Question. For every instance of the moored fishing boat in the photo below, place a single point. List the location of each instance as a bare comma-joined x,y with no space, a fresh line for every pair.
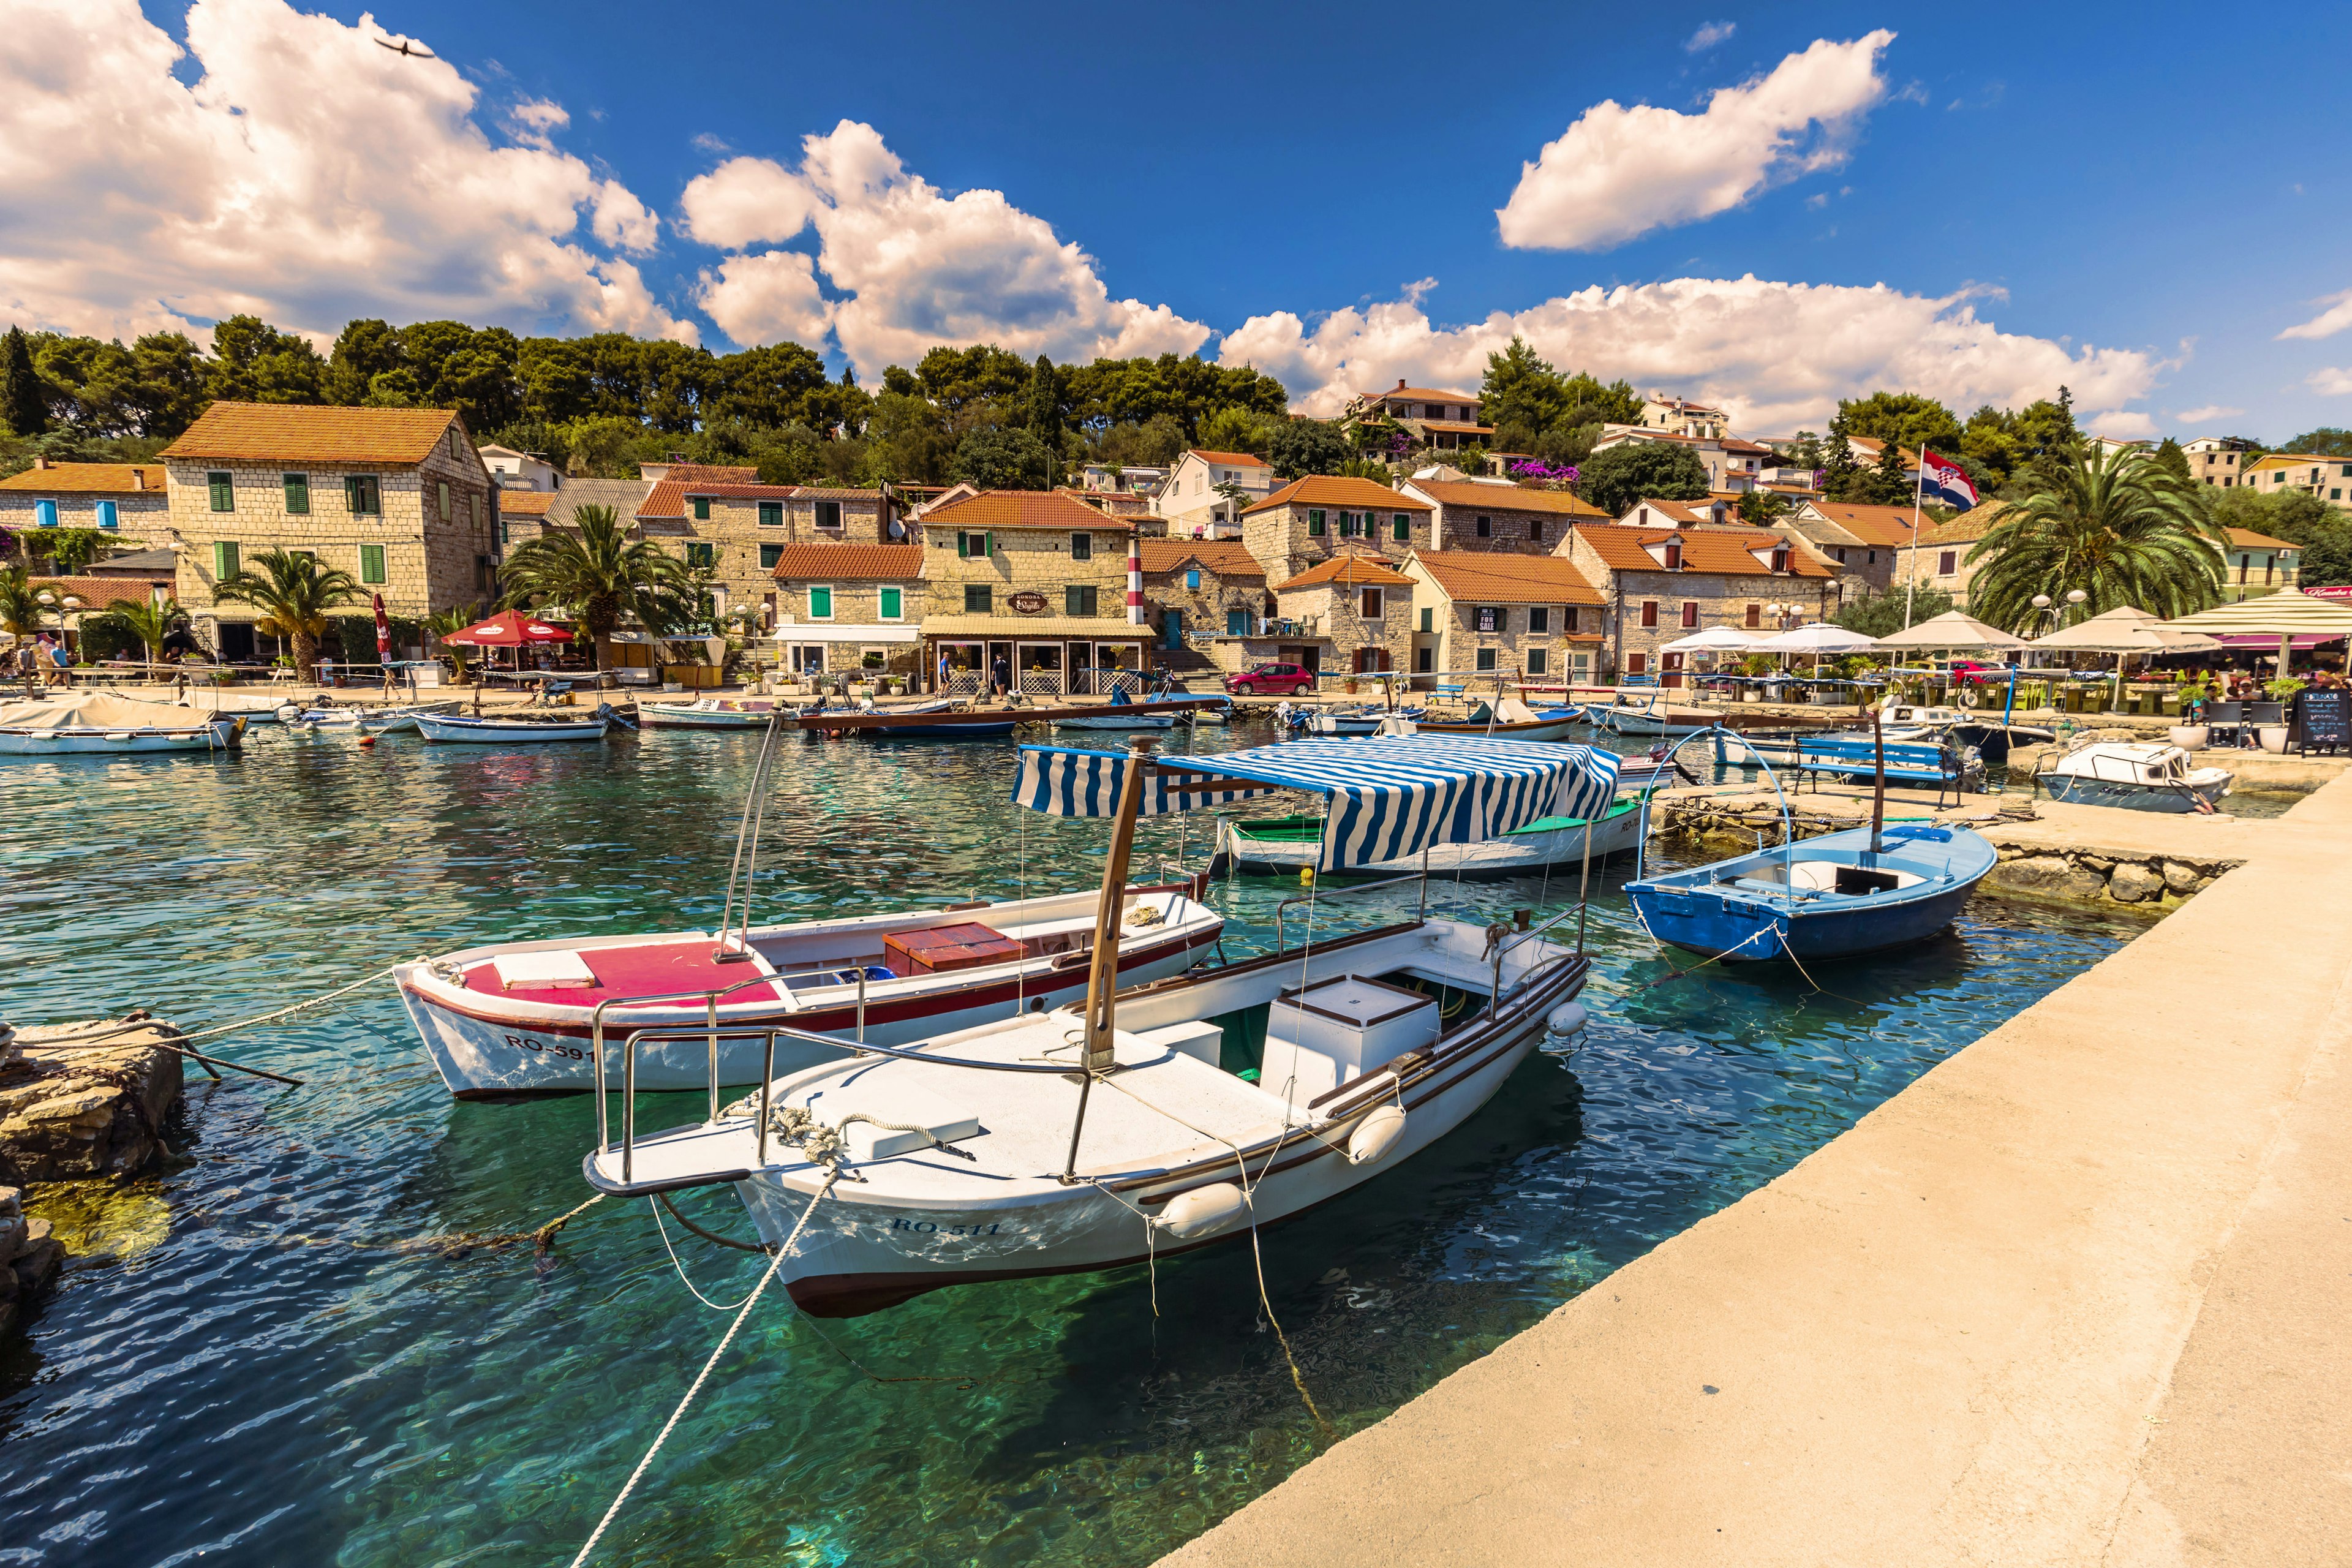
706,714
2136,775
1105,1134
102,724
1286,845
468,730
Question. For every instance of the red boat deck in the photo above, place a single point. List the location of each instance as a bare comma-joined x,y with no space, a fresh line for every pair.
639,969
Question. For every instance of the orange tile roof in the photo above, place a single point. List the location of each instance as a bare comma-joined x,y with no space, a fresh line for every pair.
2249,539
1508,497
1225,557
859,563
294,433
1498,579
828,492
732,491
1873,446
1237,460
88,480
710,473
1022,508
1725,551
665,499
1354,571
1871,524
1331,490
1683,511
97,592
525,503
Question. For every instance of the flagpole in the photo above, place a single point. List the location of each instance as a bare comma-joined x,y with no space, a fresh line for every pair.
1911,587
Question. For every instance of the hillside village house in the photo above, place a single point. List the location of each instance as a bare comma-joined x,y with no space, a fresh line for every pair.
1035,578
1680,416
396,497
1726,473
2255,565
1480,614
1497,515
1132,505
1142,481
1198,501
2328,479
848,607
1942,558
127,502
1442,421
2215,459
1858,541
1204,594
738,532
1651,512
1662,585
514,470
1321,516
1351,614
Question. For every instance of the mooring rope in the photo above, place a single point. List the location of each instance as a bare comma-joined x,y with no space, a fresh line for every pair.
674,1263
703,1376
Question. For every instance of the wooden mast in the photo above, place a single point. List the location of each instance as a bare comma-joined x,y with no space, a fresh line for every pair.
1879,778
1102,978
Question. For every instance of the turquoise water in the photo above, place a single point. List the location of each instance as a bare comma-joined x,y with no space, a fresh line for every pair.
279,1380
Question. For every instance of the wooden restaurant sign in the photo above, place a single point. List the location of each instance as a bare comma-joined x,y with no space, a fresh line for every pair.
1028,602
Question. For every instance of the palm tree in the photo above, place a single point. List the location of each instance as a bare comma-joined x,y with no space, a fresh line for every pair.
2124,529
600,576
150,621
20,603
293,592
442,622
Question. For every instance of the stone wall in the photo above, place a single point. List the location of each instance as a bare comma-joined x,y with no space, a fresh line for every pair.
1283,540
142,517
1334,609
2153,882
1037,559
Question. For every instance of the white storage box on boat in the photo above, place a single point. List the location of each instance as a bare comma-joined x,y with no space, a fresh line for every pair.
911,1105
543,971
1203,1041
1203,1211
1334,1033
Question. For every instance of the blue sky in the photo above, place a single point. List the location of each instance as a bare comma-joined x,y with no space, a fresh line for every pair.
2142,180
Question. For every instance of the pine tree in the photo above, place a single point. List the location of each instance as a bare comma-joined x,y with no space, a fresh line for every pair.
1045,409
22,402
1889,486
1840,471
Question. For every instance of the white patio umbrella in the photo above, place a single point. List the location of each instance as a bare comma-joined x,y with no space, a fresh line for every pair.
1715,639
2124,631
1950,632
1821,637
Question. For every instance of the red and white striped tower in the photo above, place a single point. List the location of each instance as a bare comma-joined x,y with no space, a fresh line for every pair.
1135,579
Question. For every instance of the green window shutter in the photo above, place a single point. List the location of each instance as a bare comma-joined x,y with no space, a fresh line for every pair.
988,542
702,556
893,605
1404,527
963,546
223,559
702,508
1428,620
820,604
1073,601
1315,521
768,555
445,512
298,494
977,599
224,491
771,514
372,564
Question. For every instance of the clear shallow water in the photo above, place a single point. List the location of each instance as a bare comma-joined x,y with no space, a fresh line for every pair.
277,1381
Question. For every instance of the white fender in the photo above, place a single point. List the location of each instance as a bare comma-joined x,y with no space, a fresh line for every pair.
1375,1135
1203,1211
1566,1018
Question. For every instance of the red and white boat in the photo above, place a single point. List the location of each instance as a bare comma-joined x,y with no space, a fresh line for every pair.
520,1018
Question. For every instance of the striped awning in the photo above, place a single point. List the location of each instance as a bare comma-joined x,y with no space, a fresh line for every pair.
1390,796
2279,615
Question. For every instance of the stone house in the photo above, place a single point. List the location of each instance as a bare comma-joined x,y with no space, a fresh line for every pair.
513,470
1942,558
1032,577
738,531
1651,512
1193,502
2216,459
396,497
1441,421
1497,515
126,502
848,607
2327,479
1206,597
1857,541
1478,612
1312,520
1663,583
1352,614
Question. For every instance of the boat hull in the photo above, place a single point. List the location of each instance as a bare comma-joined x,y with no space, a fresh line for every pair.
855,1255
661,716
2174,799
1620,833
217,735
1739,931
450,729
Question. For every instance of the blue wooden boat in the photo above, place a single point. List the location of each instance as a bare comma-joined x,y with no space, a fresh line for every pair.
1831,897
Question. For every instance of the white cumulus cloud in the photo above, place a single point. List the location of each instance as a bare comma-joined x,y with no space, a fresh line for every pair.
1777,355
2330,382
1710,34
307,176
911,265
2328,323
2209,412
1618,173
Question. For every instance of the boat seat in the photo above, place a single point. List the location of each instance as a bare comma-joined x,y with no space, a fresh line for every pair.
1759,885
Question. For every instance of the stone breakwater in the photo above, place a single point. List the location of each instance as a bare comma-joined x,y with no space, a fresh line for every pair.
72,1111
2155,882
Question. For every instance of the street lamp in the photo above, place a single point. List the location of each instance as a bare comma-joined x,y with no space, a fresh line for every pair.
2047,605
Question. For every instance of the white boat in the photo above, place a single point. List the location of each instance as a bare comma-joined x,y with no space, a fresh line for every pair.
1112,719
1287,845
2137,775
361,721
1126,1128
706,714
1650,720
522,1018
102,724
498,731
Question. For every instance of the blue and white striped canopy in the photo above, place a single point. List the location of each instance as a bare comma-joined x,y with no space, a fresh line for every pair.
1390,796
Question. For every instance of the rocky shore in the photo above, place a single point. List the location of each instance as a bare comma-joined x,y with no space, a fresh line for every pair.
78,1102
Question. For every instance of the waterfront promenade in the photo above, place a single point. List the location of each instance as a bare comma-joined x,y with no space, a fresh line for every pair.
2075,1297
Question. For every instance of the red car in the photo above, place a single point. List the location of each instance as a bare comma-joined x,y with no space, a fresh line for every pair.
1275,679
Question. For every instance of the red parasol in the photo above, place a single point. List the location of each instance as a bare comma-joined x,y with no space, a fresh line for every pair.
510,628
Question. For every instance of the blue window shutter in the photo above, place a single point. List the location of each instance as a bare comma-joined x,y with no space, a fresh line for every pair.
108,515
45,513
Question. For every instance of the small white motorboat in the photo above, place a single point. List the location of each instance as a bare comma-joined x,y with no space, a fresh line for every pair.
1112,719
2137,775
358,719
514,731
102,724
707,713
1138,1124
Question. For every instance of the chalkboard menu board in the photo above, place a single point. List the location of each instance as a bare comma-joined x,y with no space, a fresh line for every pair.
2322,720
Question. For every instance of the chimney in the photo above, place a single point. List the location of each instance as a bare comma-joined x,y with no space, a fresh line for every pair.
40,462
1399,383
138,477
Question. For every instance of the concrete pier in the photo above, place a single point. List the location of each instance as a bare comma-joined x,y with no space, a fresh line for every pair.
2075,1297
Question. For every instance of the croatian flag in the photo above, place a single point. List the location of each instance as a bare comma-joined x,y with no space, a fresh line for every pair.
1945,480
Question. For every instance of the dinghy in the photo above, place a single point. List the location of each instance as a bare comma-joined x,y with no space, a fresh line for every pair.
73,724
1143,1124
706,714
2136,775
515,731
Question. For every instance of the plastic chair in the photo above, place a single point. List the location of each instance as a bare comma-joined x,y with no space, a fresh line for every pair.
2228,716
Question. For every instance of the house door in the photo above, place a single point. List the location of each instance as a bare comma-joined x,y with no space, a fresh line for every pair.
1670,667
1237,622
1171,629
